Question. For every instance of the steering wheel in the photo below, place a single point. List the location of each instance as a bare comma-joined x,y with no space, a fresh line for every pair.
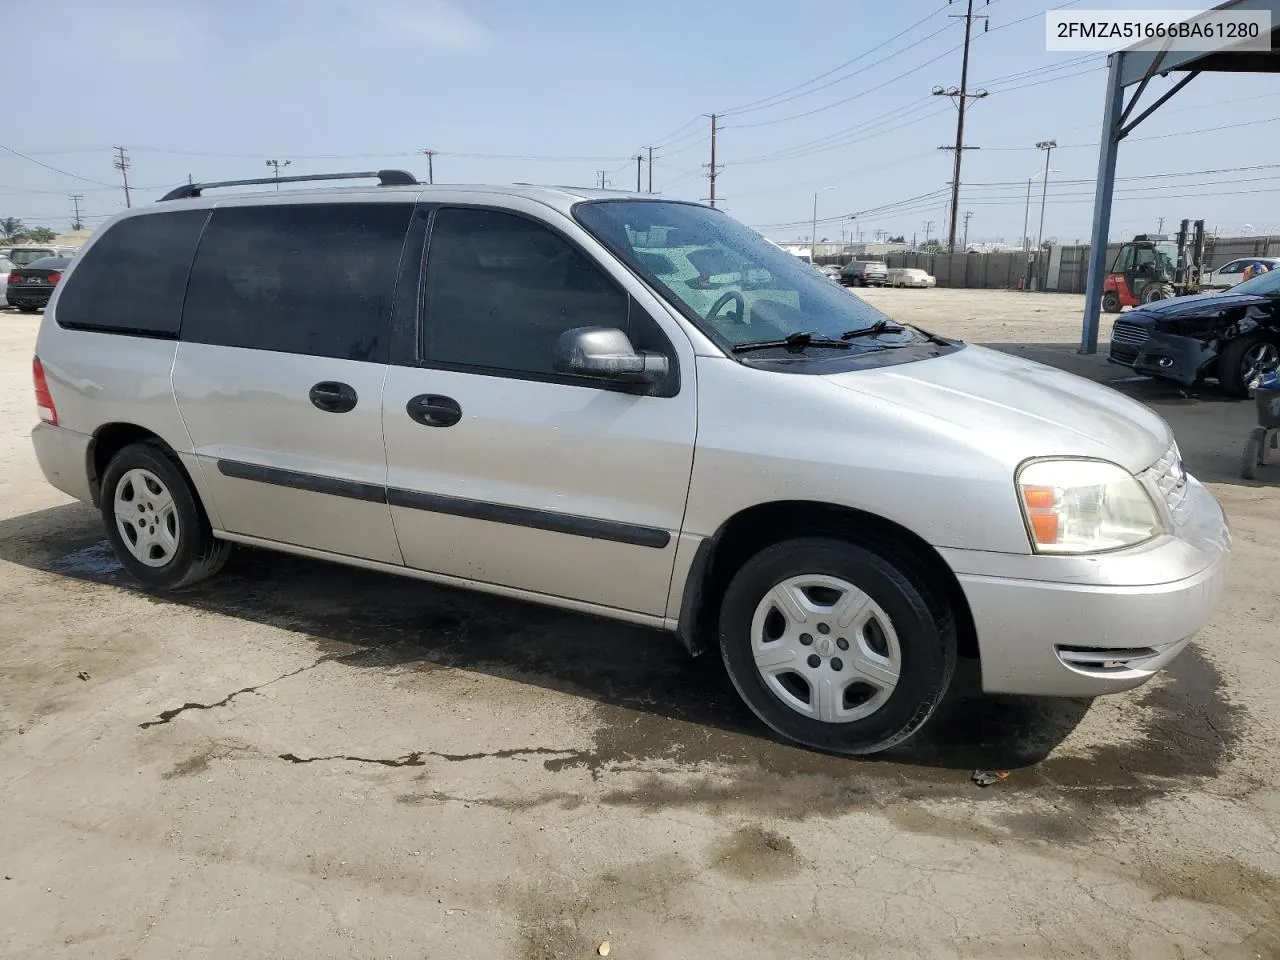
729,296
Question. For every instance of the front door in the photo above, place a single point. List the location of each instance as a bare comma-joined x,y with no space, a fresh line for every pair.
279,375
502,471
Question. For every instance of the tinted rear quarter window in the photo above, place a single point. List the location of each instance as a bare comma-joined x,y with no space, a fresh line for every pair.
132,280
314,279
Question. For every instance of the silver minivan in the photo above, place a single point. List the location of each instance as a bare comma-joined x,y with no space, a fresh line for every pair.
625,406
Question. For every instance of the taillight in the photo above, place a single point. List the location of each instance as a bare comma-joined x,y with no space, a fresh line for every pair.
44,401
54,278
13,276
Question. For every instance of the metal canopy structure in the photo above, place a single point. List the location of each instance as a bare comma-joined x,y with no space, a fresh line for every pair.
1138,65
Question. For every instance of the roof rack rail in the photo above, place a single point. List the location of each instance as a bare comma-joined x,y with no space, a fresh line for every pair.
386,178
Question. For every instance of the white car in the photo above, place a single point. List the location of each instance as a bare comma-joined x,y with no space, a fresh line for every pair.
911,277
5,266
1232,272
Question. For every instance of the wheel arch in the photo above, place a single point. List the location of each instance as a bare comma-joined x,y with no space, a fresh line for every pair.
110,438
752,529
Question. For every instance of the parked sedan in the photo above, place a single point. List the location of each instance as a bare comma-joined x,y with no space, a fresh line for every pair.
1233,336
911,277
30,287
1232,272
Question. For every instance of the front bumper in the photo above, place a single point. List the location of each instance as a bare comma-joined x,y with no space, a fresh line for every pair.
1166,356
1084,626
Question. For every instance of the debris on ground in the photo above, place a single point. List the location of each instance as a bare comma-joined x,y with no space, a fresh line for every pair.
603,949
985,778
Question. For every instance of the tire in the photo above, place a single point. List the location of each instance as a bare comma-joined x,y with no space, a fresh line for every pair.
27,308
869,711
1157,291
173,534
1110,302
1242,361
1254,454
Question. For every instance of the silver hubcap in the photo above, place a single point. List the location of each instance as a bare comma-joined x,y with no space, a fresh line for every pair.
146,517
1259,360
825,648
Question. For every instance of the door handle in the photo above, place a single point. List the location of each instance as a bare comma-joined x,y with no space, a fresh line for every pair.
333,397
433,410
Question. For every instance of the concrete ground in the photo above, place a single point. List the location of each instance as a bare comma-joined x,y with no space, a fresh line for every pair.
298,760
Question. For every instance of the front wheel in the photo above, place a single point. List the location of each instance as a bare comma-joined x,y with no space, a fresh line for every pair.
834,646
1156,292
1110,302
156,526
1244,361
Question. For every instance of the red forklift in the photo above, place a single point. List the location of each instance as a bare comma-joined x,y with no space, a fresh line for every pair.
1153,267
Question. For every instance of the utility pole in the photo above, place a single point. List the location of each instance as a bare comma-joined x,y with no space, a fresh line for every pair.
960,96
431,173
603,179
190,179
1026,213
928,229
965,242
76,199
1047,146
1160,229
276,165
639,160
122,164
650,149
712,168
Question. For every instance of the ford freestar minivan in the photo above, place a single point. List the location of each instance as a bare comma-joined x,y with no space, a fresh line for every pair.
629,407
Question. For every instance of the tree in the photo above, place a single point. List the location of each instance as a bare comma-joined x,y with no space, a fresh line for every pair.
41,235
931,246
13,229
901,238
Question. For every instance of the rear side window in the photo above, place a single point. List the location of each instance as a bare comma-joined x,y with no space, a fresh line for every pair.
500,290
132,279
314,279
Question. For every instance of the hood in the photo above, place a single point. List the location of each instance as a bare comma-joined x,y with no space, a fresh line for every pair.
1017,409
1201,305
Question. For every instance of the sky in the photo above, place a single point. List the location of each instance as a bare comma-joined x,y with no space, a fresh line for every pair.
832,100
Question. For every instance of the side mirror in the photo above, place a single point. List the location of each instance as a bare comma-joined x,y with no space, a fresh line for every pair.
606,353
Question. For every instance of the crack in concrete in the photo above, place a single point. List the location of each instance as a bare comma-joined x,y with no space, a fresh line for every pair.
507,754
170,714
167,715
408,760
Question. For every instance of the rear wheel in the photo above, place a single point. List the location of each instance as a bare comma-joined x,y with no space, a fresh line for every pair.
27,308
834,646
156,526
1244,361
1110,302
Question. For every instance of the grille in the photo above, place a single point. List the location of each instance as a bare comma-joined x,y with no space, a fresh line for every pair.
1170,478
1129,334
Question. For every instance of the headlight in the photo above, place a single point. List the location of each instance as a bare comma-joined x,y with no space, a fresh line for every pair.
1085,506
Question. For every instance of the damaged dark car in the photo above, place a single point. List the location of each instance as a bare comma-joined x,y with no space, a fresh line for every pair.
1232,336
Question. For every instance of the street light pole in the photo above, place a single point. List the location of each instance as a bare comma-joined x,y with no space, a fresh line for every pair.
276,165
1026,215
1047,146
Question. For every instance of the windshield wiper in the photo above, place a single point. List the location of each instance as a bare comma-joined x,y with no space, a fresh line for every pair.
796,341
880,326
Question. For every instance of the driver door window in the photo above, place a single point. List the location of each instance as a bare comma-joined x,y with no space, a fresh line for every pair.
501,289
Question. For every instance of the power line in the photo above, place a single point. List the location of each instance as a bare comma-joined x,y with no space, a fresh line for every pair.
764,102
65,173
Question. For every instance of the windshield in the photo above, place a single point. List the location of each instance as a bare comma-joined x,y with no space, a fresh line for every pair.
1263,283
729,280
